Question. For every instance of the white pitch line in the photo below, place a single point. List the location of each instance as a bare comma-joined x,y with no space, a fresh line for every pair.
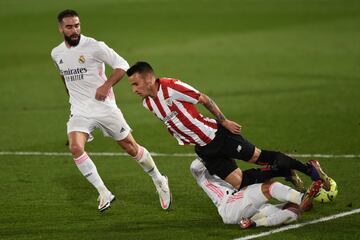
110,154
294,226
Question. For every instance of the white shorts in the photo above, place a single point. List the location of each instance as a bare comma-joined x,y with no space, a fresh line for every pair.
242,204
111,122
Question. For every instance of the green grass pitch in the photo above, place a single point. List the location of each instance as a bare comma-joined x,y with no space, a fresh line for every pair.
287,71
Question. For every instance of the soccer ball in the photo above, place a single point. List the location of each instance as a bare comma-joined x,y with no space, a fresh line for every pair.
324,196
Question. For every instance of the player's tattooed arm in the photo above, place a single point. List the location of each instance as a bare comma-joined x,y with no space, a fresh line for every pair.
210,105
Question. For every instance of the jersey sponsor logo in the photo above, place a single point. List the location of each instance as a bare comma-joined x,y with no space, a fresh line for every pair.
73,74
81,59
73,71
170,116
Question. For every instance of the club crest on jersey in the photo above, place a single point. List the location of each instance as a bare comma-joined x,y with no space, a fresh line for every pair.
81,59
168,102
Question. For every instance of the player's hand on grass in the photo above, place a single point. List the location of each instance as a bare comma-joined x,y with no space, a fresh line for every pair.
102,92
233,127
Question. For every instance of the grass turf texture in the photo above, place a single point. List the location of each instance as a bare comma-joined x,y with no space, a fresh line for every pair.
286,70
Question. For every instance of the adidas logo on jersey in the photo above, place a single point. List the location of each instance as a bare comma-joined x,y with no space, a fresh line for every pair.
61,61
122,130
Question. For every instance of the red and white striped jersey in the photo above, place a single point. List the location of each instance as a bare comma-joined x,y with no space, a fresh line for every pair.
174,104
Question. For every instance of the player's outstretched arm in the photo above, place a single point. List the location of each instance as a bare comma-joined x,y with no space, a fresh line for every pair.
210,105
104,89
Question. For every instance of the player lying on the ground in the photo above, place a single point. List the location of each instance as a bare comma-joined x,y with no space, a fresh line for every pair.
217,141
248,206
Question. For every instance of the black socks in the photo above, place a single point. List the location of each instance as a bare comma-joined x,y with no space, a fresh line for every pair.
252,176
281,162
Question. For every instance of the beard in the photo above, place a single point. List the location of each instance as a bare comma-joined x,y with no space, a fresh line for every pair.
72,42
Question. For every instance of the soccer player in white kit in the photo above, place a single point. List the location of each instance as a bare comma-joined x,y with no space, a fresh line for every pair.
81,62
248,206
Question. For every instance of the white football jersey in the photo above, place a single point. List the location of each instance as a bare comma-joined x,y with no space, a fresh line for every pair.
83,68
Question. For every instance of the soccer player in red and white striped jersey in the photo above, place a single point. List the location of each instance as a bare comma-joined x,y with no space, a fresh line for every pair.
217,141
174,105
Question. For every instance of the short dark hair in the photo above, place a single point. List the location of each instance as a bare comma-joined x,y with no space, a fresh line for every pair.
141,68
67,13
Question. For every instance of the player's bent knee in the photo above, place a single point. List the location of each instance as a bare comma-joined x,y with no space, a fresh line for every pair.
265,188
255,156
76,149
129,146
235,178
197,168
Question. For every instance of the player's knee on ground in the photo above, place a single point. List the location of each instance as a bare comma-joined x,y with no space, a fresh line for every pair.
197,168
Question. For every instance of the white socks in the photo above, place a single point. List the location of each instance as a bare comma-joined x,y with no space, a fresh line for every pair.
88,170
274,216
145,160
284,193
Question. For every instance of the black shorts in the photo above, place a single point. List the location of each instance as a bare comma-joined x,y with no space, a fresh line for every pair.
220,153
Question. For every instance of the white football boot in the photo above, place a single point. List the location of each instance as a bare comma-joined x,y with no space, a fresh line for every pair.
164,193
105,200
